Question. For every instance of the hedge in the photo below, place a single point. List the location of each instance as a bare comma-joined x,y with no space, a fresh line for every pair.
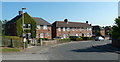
11,41
63,40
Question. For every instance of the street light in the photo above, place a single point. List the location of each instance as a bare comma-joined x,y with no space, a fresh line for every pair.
23,28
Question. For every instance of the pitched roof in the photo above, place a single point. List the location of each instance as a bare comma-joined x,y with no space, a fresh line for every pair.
14,19
71,24
41,21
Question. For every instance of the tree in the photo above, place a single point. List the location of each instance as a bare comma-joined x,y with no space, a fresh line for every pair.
98,33
0,28
116,29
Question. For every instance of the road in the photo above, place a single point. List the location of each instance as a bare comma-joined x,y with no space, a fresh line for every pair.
67,51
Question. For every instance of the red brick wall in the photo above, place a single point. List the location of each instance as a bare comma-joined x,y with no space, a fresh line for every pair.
41,30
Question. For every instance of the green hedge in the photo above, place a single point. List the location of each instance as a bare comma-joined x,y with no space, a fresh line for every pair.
87,38
63,40
79,39
11,41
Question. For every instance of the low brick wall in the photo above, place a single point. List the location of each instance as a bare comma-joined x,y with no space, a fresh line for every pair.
116,43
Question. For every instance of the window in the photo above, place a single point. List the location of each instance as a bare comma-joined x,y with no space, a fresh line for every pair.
45,27
76,29
38,26
59,29
90,28
72,29
68,29
41,35
26,25
47,34
29,25
63,29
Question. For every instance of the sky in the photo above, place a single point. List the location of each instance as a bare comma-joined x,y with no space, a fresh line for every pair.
96,13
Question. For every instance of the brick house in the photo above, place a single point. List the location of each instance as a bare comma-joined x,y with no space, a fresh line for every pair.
66,29
43,28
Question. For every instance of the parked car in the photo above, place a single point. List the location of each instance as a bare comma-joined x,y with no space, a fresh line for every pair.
99,38
58,37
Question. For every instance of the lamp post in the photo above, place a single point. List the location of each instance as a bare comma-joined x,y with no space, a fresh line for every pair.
23,28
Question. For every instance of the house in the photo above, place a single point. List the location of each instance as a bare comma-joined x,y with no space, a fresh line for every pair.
15,27
66,29
43,28
97,29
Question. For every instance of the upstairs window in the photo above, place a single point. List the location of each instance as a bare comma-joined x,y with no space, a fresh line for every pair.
29,25
38,26
90,28
63,29
59,29
68,29
72,29
45,27
26,25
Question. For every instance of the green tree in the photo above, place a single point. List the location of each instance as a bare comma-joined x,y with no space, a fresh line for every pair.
98,33
116,29
0,27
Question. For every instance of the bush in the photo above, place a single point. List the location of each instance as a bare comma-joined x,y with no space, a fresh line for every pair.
63,40
74,38
87,38
11,41
116,29
79,39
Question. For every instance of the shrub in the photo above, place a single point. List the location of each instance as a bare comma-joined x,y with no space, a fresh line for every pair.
11,41
79,39
87,38
73,38
63,40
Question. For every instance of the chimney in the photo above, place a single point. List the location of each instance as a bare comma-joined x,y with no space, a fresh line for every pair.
86,21
66,20
90,24
118,16
20,12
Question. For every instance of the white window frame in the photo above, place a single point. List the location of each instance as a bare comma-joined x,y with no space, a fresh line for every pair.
73,29
63,28
38,27
59,29
47,34
68,29
45,27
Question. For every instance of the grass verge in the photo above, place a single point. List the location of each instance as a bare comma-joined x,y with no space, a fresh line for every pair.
9,50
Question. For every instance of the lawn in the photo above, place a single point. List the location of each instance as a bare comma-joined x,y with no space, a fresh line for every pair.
9,50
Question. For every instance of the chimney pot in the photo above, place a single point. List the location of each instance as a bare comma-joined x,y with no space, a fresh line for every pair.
86,21
66,20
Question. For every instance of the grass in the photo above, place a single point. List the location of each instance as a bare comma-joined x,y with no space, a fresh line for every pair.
9,50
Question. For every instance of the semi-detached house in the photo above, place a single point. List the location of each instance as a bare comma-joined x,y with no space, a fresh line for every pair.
34,27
